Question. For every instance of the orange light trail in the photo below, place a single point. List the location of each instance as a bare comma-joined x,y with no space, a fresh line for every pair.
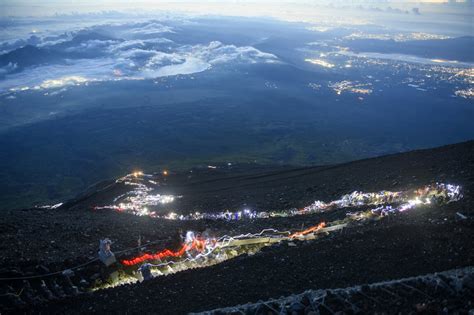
199,245
308,230
196,244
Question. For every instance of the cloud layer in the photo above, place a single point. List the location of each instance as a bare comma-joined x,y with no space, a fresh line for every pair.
116,51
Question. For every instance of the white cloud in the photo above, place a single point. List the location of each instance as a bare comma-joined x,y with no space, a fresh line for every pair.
138,43
131,54
189,66
53,76
135,53
10,67
147,29
160,58
93,44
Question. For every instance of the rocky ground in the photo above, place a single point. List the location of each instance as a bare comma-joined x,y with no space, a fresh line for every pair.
430,239
447,291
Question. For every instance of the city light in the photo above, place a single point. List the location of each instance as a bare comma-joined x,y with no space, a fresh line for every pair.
320,62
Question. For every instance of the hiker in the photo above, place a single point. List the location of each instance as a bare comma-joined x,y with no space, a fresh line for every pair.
145,270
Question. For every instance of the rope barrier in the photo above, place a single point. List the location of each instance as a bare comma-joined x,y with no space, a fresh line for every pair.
49,274
79,266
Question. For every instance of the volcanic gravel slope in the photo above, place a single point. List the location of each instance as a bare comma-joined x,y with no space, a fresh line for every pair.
417,242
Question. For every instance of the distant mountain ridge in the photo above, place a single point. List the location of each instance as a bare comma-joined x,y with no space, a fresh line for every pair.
31,55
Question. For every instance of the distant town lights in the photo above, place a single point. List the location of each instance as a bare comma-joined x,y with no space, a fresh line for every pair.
320,62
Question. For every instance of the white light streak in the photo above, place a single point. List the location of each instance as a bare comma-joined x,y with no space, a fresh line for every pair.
141,200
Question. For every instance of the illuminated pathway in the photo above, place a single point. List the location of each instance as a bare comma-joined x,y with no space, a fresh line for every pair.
140,200
198,251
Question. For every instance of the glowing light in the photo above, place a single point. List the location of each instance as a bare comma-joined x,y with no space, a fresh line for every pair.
197,251
137,173
166,199
195,244
171,216
195,247
165,173
55,206
67,80
140,200
467,93
352,87
308,230
443,61
214,249
320,62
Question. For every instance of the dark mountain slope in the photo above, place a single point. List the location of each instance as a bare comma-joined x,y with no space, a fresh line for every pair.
412,243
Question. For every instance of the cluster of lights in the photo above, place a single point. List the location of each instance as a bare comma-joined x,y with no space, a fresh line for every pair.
352,87
400,37
439,193
466,93
195,247
225,215
141,198
431,73
320,62
138,201
199,251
